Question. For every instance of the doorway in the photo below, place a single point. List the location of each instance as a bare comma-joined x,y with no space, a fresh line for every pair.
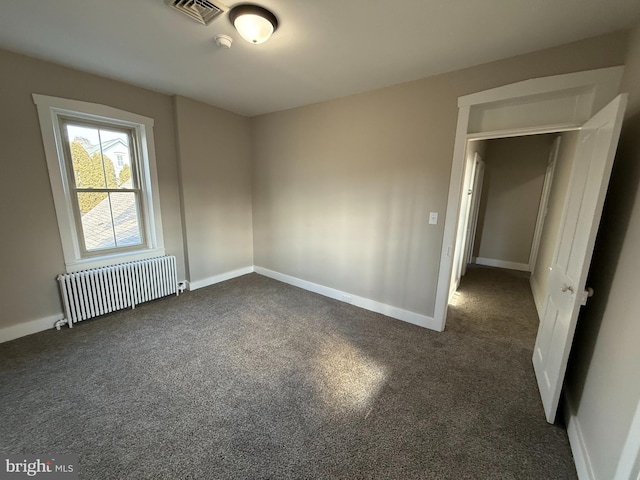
507,187
512,210
545,105
527,108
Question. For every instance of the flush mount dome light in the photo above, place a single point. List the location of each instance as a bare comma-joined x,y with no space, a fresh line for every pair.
255,24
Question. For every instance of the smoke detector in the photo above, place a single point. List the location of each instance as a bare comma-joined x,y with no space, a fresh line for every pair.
202,11
223,41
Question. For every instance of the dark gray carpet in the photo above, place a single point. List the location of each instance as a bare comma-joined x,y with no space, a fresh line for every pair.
253,378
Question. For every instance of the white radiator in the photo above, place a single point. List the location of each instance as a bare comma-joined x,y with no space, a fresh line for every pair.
94,292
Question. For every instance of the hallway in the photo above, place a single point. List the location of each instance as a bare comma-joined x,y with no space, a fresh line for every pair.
495,302
493,310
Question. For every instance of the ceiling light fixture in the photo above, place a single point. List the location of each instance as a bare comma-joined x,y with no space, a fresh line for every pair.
255,24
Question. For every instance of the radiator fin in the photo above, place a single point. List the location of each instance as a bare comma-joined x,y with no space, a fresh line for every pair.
98,291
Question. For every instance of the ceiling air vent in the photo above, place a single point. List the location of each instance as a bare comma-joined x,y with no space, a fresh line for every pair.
202,11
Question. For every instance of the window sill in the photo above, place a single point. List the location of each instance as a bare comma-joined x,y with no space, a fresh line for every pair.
113,259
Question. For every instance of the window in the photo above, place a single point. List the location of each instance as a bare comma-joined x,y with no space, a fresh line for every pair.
106,201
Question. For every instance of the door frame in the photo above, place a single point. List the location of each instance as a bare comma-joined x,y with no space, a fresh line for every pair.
587,91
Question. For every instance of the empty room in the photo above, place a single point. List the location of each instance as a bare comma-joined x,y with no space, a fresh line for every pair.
255,240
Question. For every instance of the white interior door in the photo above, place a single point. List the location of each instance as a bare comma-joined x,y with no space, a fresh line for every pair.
463,218
476,193
574,247
544,202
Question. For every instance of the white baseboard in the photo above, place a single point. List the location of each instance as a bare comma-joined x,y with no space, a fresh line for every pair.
27,328
537,298
367,304
629,464
205,282
492,262
576,440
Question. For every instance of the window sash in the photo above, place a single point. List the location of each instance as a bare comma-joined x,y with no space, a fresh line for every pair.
85,252
134,150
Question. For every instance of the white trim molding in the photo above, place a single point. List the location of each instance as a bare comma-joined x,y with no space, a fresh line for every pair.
629,463
538,86
492,262
28,328
576,440
50,111
366,303
205,282
443,288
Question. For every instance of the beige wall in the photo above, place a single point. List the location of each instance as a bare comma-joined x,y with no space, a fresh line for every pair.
557,195
31,253
342,192
602,379
513,181
343,189
215,169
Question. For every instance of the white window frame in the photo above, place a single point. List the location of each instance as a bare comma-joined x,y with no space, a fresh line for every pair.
50,109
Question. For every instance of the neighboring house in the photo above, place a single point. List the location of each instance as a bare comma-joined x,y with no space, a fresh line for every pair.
116,149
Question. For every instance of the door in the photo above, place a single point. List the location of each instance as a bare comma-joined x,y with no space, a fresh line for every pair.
590,174
544,202
476,192
459,253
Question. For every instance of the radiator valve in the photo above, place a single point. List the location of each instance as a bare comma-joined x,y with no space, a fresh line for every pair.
59,323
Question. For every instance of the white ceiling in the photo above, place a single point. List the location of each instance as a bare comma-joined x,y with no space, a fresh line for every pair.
323,49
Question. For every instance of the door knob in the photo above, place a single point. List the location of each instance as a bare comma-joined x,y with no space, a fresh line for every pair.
566,288
586,294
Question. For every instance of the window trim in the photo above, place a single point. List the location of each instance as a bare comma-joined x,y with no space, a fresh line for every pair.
50,111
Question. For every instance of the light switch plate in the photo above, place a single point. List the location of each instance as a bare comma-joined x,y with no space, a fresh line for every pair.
433,218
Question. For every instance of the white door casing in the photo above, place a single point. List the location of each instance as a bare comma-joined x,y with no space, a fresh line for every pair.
590,174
